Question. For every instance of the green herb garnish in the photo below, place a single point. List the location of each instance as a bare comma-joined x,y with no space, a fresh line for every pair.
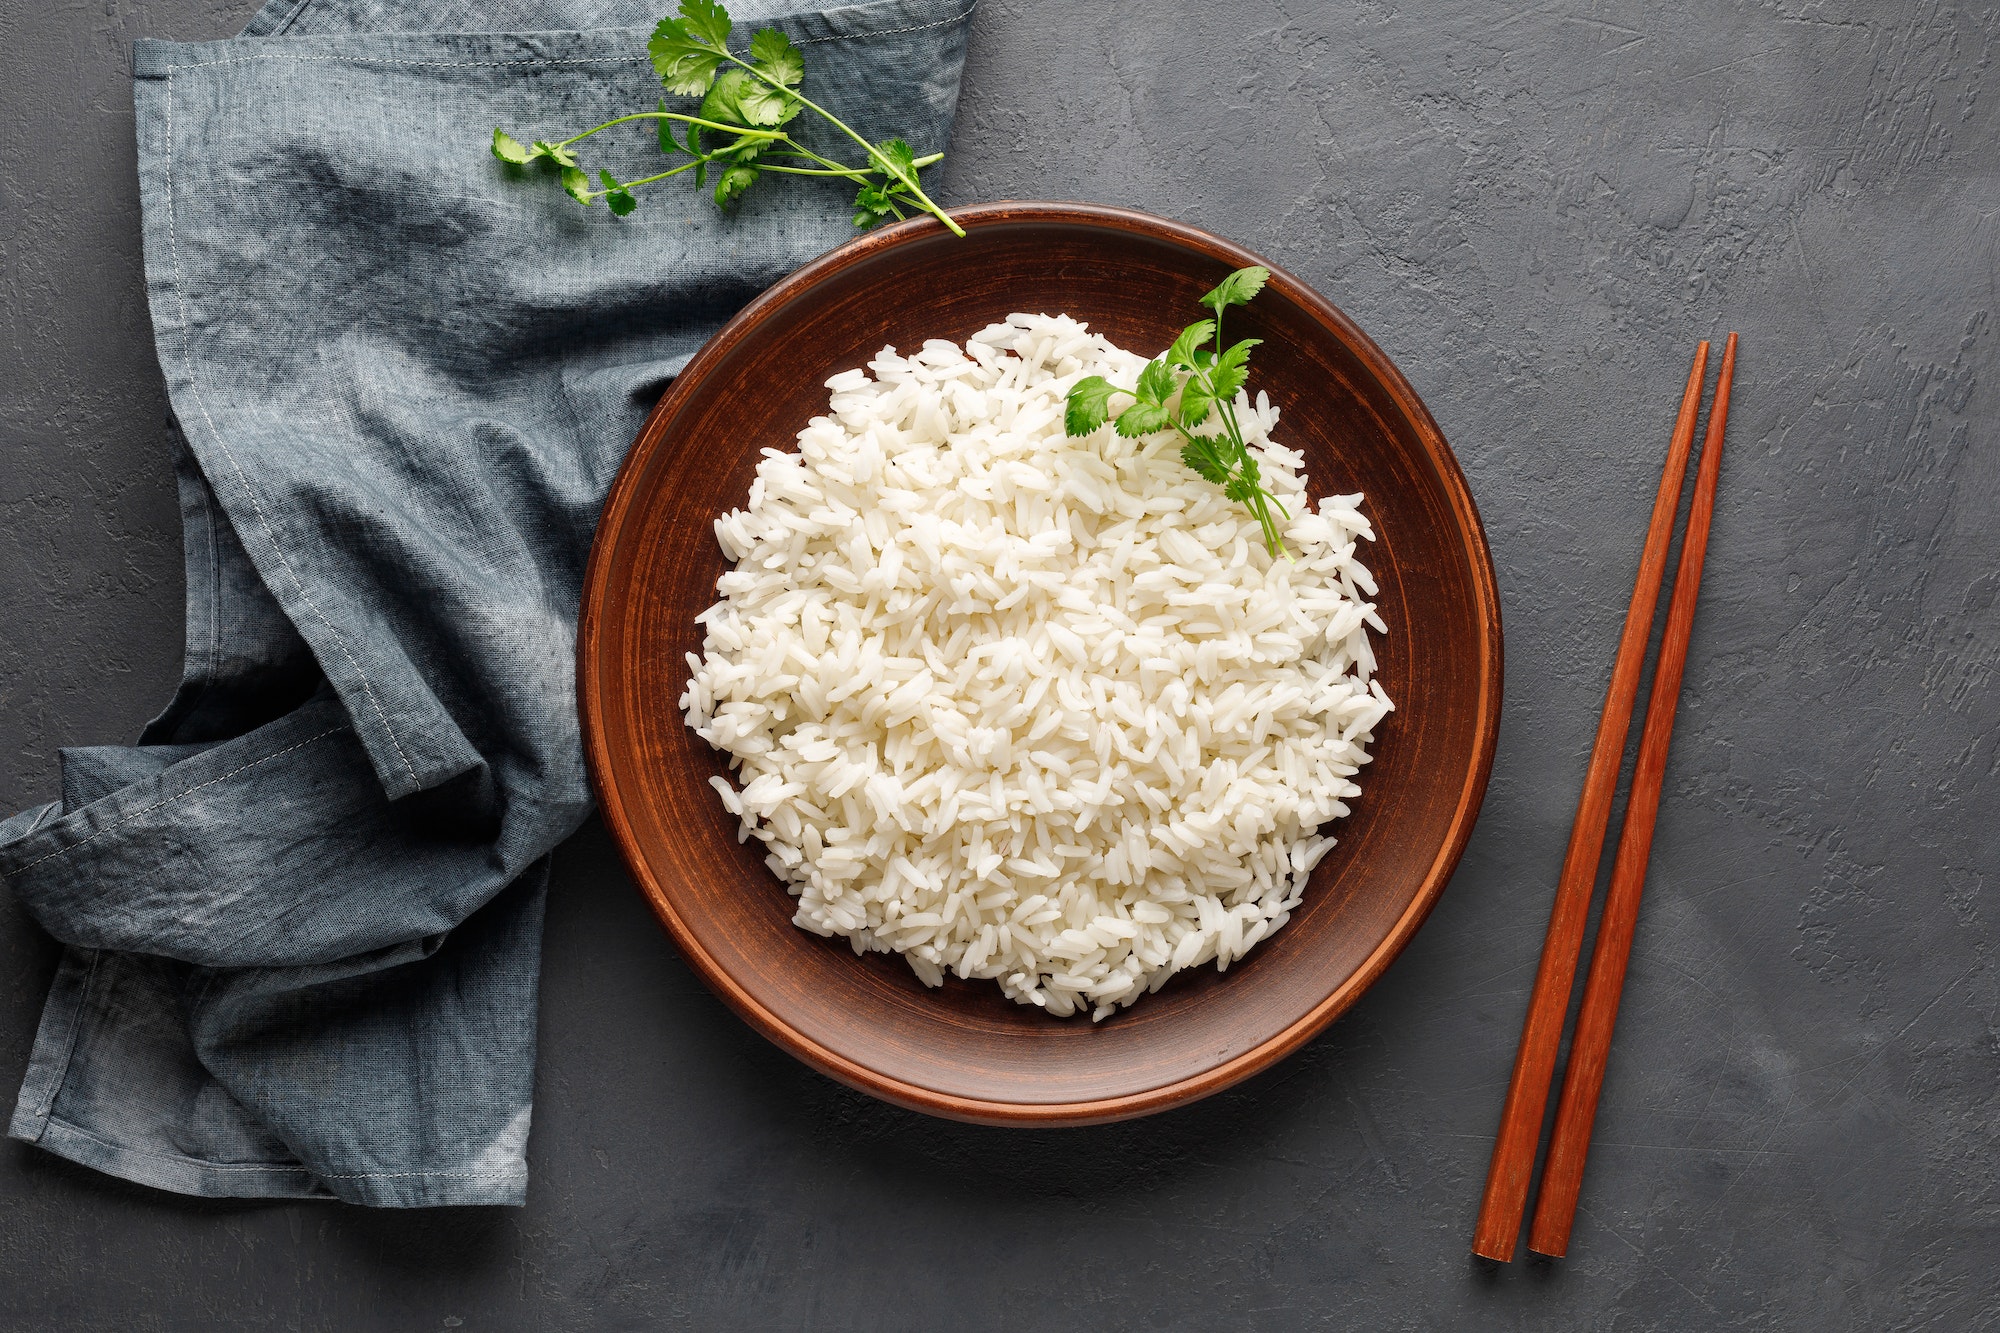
745,105
1206,376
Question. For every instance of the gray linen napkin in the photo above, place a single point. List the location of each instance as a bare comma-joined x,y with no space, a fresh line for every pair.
303,914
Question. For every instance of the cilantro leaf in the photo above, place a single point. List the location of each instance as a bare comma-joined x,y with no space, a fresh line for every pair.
902,160
1089,405
732,182
872,205
1240,488
1142,419
669,144
617,196
1156,385
554,152
737,99
683,63
576,185
706,22
1195,403
1185,347
1237,288
1200,453
508,149
773,53
724,100
1232,368
766,106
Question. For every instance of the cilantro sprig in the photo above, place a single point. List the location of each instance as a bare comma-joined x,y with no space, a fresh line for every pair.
1206,376
738,132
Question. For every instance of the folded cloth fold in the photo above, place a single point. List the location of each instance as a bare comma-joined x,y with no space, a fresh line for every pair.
302,916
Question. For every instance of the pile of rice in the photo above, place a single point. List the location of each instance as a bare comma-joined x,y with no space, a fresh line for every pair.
1030,708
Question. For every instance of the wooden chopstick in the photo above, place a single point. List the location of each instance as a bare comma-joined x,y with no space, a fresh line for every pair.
1506,1196
1590,1047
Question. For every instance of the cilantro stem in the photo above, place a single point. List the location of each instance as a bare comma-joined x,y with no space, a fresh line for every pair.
739,130
834,169
848,173
1261,499
648,180
799,150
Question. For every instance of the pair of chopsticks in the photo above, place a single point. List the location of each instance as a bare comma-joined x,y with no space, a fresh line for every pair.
1541,1035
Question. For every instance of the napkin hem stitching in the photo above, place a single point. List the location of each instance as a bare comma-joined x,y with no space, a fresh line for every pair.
181,1159
69,1045
890,32
131,815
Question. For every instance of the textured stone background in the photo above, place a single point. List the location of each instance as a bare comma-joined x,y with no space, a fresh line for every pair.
1536,211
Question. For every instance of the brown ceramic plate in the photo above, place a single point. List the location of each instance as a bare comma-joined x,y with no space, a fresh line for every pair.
963,1050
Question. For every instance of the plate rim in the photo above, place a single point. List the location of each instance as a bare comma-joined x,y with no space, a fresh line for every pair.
592,698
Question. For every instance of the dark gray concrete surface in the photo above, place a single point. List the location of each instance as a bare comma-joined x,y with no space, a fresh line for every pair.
1536,211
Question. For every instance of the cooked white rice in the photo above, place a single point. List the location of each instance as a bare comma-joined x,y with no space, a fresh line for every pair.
1030,708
